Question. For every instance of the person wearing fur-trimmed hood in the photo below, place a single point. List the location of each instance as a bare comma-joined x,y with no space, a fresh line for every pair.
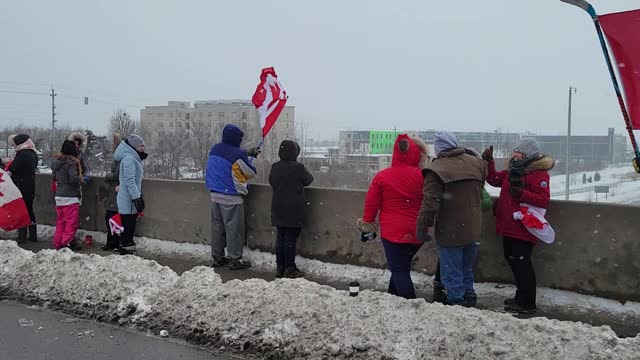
394,196
80,140
525,181
23,174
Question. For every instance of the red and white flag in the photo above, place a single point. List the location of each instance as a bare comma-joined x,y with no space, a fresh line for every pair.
623,33
269,98
13,211
115,224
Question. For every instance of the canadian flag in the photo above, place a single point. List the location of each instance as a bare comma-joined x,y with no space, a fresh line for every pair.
269,98
13,211
623,33
532,218
115,224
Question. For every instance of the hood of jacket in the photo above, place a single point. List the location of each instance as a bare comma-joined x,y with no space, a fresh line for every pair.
123,150
443,141
545,163
405,152
424,152
79,137
289,150
232,135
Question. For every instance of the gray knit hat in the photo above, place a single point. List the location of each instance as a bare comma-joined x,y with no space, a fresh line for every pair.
135,141
529,147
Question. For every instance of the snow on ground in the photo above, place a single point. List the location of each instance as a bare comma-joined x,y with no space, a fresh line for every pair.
289,318
376,279
623,182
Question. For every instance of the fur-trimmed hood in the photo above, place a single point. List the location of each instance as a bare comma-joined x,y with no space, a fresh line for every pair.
424,152
79,137
545,163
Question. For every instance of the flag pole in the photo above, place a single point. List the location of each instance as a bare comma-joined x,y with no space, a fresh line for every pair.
584,5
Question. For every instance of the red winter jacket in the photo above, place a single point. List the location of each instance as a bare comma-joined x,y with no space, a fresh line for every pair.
536,192
396,193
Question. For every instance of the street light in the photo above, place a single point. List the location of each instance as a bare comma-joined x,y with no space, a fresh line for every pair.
572,90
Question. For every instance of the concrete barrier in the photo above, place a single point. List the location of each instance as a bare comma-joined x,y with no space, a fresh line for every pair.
596,249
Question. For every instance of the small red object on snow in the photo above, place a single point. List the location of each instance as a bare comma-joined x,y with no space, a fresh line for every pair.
88,241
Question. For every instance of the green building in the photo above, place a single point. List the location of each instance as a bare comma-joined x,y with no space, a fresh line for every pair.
381,142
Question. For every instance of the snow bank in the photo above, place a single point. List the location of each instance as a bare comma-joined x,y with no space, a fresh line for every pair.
377,279
289,318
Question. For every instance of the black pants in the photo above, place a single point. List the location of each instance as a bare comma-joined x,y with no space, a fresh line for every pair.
286,248
28,200
113,240
518,255
129,224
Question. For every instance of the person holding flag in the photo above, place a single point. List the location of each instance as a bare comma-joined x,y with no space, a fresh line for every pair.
228,171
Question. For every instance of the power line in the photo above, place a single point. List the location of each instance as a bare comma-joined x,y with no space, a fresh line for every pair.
23,92
23,83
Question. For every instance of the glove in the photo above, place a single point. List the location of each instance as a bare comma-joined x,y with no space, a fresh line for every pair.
254,152
86,179
487,154
139,204
636,164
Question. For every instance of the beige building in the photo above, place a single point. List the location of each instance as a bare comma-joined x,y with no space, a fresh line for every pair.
206,119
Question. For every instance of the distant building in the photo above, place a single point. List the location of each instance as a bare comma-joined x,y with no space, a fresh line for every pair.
360,147
178,117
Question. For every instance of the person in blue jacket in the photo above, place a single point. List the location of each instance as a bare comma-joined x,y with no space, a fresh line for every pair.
228,172
130,153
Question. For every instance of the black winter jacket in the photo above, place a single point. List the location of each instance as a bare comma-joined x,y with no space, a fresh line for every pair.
23,171
288,179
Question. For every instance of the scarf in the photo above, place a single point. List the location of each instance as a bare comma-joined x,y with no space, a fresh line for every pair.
27,145
517,170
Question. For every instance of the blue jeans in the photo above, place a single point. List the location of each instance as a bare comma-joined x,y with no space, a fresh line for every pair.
399,258
456,270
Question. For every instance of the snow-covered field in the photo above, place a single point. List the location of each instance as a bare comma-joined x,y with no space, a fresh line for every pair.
623,182
289,318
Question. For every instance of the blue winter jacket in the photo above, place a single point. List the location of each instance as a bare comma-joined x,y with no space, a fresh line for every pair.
131,172
228,167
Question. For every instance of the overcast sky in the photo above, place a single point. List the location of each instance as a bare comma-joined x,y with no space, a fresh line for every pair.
366,64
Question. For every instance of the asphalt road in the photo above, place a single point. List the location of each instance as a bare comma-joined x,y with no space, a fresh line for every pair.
28,333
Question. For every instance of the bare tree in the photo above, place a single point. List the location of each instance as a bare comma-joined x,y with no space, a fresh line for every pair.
202,137
122,123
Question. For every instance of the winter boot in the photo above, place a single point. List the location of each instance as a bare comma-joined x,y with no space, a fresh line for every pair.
33,233
439,294
521,310
470,300
279,273
22,235
239,264
220,262
293,273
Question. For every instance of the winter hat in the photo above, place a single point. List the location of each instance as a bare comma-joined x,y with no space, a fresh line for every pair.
69,148
135,141
529,147
444,140
20,139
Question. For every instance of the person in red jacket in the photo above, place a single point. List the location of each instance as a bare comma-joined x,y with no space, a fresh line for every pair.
525,181
395,194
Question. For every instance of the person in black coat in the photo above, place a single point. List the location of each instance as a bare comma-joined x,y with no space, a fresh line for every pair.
23,174
288,179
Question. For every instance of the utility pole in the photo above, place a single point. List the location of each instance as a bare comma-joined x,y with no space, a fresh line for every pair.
53,119
572,90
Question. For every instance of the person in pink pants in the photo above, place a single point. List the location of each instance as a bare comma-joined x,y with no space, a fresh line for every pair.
67,176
